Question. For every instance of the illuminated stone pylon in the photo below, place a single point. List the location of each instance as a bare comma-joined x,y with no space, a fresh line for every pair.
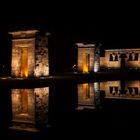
29,54
88,58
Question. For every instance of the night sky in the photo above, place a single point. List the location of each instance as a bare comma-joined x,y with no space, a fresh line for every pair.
104,22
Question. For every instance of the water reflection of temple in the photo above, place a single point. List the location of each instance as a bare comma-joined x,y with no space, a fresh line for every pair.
29,108
88,95
126,89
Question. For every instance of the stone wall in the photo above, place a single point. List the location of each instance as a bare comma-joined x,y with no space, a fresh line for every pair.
42,105
105,86
134,63
133,88
111,64
41,57
96,59
86,96
102,62
17,106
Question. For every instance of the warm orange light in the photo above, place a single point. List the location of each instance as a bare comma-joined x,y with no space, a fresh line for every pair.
24,62
86,90
24,101
85,63
26,73
85,68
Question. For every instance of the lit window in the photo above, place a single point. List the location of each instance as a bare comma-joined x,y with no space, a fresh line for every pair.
86,58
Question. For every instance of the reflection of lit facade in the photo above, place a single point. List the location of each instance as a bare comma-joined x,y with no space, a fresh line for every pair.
121,58
88,58
29,108
111,88
88,95
29,54
133,88
129,89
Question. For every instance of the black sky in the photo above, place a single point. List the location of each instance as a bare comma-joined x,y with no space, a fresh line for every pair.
101,24
106,22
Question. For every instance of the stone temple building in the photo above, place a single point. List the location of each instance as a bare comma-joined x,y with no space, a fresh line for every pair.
121,59
88,58
29,54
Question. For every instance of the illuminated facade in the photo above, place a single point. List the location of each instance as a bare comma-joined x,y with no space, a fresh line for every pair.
88,58
129,89
88,95
29,108
29,54
121,58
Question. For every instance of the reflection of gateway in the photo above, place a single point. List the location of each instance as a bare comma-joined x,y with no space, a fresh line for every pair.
29,108
86,61
24,62
29,54
88,94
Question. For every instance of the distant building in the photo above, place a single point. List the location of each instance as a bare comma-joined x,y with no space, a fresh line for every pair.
29,54
121,59
88,58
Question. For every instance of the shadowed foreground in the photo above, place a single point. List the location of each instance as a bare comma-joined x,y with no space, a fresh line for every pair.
115,116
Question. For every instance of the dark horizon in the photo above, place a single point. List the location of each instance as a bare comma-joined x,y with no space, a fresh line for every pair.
104,24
